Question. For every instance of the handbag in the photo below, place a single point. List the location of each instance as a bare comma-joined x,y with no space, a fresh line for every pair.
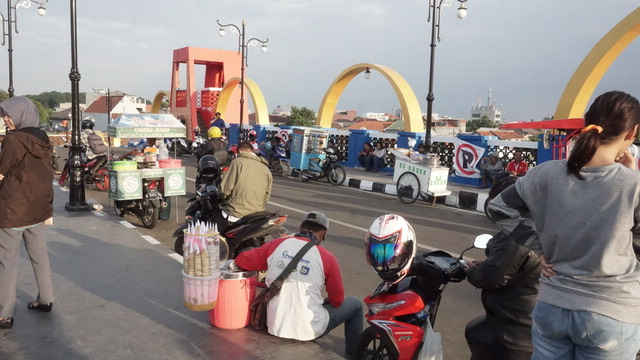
260,302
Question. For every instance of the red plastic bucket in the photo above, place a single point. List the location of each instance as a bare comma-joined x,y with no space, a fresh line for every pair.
170,163
235,292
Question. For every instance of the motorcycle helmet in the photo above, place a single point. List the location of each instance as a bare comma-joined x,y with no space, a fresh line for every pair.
252,133
88,123
208,166
214,132
390,247
284,135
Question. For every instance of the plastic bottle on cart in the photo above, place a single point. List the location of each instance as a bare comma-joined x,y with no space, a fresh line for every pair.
163,152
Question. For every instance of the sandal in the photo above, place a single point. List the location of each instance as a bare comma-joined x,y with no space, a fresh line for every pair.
42,307
6,323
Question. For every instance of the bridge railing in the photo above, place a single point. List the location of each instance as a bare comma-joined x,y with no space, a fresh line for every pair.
454,152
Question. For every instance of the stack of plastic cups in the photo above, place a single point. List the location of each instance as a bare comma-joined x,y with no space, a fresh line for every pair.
201,270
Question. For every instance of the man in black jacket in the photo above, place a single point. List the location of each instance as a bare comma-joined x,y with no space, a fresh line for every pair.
509,282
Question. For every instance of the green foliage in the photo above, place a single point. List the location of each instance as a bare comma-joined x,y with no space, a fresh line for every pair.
53,99
44,112
301,117
3,95
477,124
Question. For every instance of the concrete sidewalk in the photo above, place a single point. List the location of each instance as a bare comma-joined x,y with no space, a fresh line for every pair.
119,296
465,197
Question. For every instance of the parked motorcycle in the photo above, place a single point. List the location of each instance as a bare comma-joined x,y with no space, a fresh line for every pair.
327,168
278,161
180,146
398,313
145,209
248,232
94,172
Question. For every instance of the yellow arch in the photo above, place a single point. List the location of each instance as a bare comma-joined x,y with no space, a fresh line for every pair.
157,101
582,84
411,113
262,113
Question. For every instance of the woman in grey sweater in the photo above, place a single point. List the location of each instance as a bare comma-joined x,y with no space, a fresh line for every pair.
580,215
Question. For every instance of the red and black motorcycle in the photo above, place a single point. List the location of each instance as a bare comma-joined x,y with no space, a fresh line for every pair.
94,171
399,313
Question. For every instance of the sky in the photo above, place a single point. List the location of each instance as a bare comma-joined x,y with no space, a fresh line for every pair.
524,51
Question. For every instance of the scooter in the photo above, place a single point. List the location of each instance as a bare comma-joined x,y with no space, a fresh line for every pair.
145,209
248,232
399,313
278,161
327,168
180,146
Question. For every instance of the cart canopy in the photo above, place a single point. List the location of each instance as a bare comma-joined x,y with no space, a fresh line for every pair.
147,126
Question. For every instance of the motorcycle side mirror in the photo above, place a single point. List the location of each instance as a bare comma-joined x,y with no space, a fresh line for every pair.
481,241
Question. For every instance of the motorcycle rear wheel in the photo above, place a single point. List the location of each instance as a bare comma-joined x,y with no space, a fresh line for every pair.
375,345
277,167
149,215
102,179
336,175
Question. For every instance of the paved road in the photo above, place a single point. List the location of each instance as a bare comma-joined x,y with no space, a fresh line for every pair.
351,212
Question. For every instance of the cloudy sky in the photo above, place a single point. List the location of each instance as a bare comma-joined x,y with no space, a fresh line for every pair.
524,51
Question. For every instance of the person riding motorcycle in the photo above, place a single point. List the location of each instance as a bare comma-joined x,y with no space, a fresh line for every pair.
509,282
87,129
246,187
214,146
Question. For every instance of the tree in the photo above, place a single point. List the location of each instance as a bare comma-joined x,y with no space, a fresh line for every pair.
484,121
44,112
3,95
301,117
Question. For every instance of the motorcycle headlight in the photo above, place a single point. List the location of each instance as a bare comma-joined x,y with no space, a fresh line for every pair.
377,307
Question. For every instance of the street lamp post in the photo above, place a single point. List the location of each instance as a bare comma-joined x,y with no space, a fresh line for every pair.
107,92
76,182
242,47
10,24
435,6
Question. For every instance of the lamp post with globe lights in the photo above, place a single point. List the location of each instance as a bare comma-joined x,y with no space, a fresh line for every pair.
243,48
10,24
76,182
435,7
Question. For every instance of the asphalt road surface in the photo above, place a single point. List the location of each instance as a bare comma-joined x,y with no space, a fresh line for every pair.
351,211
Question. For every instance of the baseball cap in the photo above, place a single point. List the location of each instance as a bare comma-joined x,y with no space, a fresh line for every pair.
318,218
494,154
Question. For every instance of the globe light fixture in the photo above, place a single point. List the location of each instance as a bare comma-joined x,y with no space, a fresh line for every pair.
243,48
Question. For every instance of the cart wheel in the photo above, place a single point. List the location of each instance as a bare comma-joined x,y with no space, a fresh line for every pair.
408,187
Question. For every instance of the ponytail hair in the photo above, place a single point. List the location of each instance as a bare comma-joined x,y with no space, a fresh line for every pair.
611,115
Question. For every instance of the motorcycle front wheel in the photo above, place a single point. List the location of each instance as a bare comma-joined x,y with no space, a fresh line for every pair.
375,345
149,215
102,179
336,175
177,246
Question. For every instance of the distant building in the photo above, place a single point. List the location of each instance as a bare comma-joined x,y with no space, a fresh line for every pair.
371,124
120,103
501,134
283,110
479,111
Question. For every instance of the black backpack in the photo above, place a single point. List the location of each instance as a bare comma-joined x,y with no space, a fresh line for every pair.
96,144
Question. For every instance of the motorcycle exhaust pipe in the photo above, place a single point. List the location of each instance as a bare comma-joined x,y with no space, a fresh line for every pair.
163,204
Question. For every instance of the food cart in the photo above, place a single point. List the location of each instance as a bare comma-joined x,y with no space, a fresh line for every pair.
419,175
307,144
126,181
